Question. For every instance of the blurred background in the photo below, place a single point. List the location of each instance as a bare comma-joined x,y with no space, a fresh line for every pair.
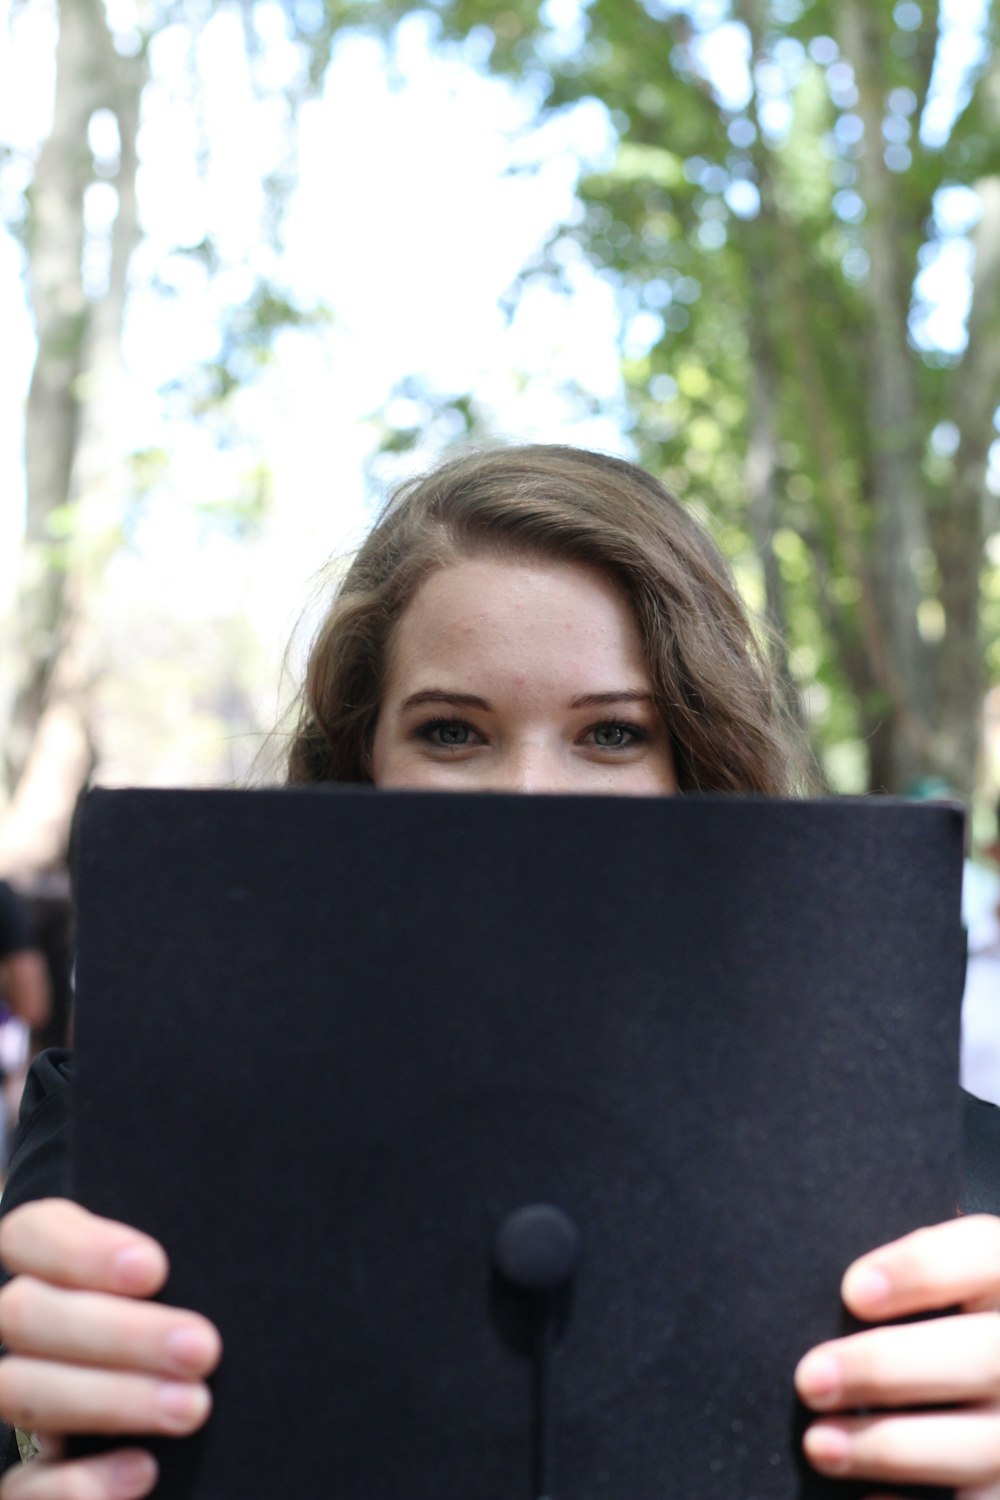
261,258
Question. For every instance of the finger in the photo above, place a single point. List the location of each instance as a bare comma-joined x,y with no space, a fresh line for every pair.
943,1360
54,1323
124,1475
960,1448
37,1393
956,1263
61,1242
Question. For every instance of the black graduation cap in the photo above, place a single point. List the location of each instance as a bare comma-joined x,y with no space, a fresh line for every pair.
516,1145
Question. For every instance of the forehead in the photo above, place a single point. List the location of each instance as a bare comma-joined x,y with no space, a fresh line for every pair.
526,607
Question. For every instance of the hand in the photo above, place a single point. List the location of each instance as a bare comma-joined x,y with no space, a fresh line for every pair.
88,1355
952,1362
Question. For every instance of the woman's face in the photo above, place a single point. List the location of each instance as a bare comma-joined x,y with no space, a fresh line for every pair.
521,677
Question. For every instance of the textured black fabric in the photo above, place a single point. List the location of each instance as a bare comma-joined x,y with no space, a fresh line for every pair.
9,1453
14,934
41,1157
722,1036
41,1164
980,1156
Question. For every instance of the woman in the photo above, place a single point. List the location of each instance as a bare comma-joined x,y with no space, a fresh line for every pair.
535,619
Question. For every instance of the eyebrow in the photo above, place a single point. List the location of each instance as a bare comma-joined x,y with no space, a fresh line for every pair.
601,700
470,700
442,695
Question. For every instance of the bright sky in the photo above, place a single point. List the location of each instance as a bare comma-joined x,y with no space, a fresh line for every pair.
405,224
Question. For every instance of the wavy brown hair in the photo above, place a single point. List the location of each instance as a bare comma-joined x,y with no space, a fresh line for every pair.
712,684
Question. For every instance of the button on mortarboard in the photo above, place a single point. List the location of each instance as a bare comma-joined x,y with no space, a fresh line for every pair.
537,1248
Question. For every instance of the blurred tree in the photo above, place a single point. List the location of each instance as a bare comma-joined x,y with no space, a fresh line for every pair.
788,177
72,461
80,475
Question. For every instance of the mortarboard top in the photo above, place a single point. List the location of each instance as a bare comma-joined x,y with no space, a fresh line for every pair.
332,1042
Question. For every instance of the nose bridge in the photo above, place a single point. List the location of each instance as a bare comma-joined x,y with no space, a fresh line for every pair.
531,766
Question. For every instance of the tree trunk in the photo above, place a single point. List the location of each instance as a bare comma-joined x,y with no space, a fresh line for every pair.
761,465
74,461
960,521
899,533
61,314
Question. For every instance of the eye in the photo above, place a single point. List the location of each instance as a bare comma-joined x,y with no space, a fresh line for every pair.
616,734
449,734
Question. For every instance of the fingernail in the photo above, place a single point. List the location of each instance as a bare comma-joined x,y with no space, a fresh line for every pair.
132,1474
820,1378
134,1267
182,1406
828,1448
189,1348
868,1286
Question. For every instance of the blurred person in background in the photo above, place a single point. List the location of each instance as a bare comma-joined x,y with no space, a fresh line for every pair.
26,993
980,1064
981,1001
